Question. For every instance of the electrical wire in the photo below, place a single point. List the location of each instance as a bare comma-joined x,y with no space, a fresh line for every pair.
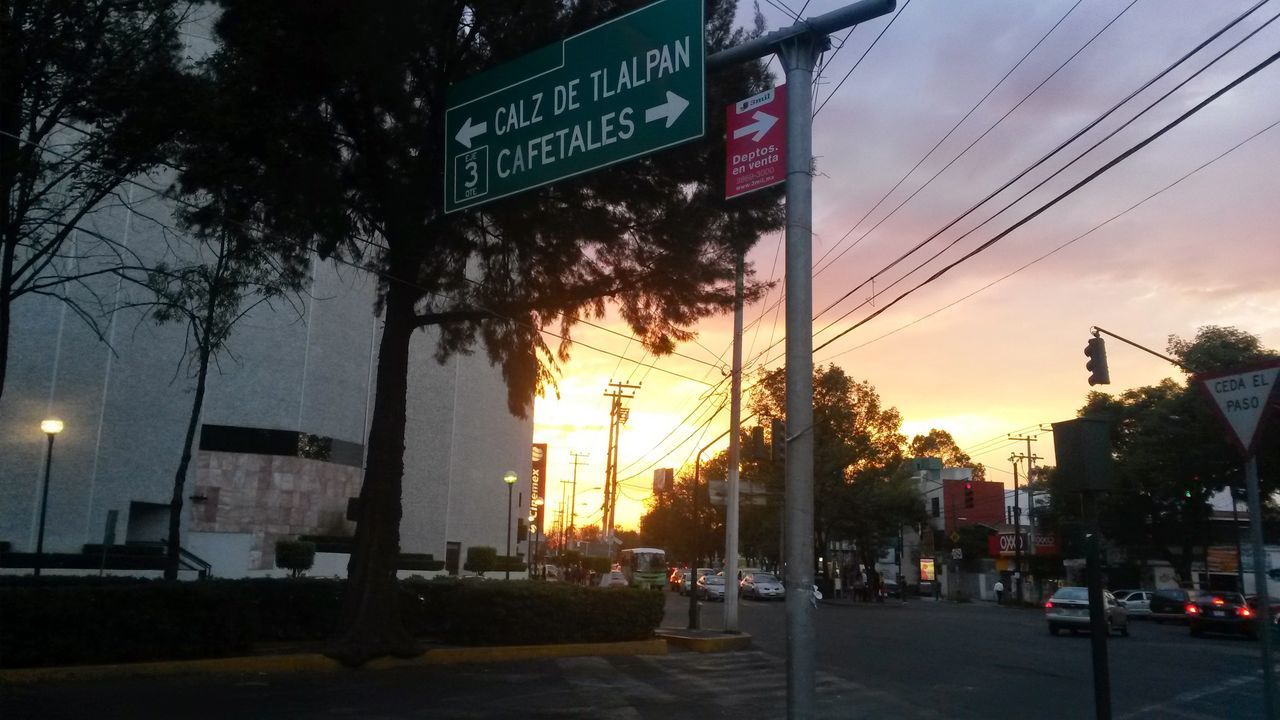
819,267
1069,191
955,159
863,56
1064,245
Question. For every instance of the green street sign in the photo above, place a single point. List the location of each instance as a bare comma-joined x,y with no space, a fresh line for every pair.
626,88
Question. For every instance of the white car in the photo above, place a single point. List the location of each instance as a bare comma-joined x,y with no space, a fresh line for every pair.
761,586
1137,602
1068,609
613,579
711,587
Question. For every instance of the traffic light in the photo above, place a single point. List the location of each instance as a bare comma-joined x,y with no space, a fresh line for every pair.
1096,351
968,494
755,449
778,440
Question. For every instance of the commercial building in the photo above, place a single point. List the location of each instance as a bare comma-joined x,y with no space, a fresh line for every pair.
281,441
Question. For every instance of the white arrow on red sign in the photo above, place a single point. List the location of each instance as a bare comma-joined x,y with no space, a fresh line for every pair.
1243,399
756,144
763,121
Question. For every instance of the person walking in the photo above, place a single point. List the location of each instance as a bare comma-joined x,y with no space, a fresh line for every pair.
999,588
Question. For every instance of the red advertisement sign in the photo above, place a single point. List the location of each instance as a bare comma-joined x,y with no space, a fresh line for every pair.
756,142
537,482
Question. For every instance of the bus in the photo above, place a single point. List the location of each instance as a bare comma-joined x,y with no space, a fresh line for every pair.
644,567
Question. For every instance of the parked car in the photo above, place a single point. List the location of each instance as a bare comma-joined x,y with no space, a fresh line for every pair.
1068,609
1222,612
1252,601
711,587
613,579
690,579
676,578
761,585
1137,602
890,587
1171,604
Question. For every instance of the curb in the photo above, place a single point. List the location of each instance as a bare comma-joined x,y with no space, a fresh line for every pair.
315,662
705,643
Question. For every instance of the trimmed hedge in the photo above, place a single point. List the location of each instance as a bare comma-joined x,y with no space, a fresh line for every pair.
470,612
86,621
118,622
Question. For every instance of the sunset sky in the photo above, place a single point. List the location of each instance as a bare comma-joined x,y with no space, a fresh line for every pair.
1007,355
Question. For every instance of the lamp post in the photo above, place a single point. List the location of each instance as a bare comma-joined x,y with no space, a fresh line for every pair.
51,428
510,479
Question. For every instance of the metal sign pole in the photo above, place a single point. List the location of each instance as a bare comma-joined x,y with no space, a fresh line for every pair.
1260,583
799,55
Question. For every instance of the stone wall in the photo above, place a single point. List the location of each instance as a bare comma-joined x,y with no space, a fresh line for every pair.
271,497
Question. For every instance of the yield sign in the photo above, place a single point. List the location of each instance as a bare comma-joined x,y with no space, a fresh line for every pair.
1243,398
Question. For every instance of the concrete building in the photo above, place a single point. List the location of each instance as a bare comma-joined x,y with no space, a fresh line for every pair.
280,448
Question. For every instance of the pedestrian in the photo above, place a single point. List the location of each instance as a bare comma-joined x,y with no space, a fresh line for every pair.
937,589
999,588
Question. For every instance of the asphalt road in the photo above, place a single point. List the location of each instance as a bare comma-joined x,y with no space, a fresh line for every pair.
921,660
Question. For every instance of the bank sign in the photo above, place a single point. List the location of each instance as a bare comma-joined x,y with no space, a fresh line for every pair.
626,88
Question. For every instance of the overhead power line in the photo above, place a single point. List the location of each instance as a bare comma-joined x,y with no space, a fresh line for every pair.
1069,191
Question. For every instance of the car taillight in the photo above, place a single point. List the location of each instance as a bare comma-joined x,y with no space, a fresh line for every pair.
1244,612
1192,609
1219,601
1048,603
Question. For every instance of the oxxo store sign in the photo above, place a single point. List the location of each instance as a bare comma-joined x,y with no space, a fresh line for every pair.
1007,544
620,90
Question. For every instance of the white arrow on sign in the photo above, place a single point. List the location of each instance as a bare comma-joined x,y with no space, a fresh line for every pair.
1242,399
670,109
469,132
763,122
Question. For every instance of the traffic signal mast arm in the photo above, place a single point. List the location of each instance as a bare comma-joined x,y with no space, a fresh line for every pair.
1096,330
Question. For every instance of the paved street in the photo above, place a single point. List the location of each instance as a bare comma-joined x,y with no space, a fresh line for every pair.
922,660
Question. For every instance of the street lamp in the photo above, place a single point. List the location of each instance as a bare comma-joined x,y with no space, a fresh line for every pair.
510,479
51,428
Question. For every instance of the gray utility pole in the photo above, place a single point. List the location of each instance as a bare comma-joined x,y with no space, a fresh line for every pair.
798,47
1017,508
735,451
1017,534
617,418
573,494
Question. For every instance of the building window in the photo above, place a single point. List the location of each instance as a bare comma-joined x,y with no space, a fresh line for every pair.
287,443
936,508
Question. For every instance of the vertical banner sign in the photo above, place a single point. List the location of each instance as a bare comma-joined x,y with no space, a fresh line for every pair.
622,89
756,143
537,482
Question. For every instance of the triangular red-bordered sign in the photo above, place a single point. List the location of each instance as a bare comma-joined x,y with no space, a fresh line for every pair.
1243,399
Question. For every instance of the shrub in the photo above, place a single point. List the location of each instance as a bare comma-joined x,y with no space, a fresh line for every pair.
117,622
481,559
522,613
85,622
295,556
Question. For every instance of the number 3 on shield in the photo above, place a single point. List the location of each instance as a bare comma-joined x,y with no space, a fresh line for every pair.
474,170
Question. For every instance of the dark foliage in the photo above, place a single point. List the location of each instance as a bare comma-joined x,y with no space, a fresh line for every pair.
76,621
296,556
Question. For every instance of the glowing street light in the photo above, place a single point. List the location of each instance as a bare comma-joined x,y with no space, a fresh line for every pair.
510,479
51,428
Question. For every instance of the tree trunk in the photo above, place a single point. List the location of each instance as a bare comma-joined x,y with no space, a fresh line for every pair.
173,553
371,623
6,281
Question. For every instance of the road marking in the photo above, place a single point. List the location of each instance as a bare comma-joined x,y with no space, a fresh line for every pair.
1192,695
